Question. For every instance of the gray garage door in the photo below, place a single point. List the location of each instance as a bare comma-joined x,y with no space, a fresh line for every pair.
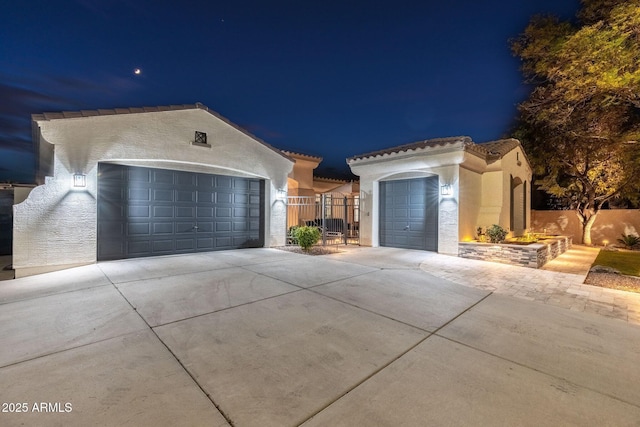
409,213
148,212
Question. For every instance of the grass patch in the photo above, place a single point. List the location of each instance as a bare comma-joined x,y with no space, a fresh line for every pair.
626,262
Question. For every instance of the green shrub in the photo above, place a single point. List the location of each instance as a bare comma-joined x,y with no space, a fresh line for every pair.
496,233
292,234
630,241
307,237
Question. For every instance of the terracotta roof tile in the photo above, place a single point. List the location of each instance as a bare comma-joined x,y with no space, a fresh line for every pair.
413,146
309,156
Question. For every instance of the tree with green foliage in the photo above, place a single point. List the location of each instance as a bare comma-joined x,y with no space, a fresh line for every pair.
581,123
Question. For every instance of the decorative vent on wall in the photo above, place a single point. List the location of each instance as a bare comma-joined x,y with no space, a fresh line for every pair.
201,139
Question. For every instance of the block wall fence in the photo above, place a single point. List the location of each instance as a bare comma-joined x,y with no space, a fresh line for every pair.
609,225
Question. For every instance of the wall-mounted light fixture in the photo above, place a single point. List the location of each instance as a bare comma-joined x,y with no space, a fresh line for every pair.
281,194
79,180
446,190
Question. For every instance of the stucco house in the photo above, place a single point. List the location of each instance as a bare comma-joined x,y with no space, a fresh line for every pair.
135,182
432,194
319,200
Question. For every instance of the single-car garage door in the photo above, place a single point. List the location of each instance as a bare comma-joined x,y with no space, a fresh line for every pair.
148,212
409,213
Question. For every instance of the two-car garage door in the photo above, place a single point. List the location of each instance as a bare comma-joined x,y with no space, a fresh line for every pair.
148,212
409,213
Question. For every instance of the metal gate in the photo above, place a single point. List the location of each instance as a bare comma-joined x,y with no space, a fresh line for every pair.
335,214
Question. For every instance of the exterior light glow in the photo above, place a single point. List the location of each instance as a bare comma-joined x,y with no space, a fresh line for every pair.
79,180
446,190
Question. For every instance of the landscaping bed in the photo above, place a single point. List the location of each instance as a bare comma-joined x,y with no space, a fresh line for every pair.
614,281
616,269
314,250
533,255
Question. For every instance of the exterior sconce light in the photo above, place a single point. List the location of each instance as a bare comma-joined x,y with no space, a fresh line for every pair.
281,195
446,190
79,180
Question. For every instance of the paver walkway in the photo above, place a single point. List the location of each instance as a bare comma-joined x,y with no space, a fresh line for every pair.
559,283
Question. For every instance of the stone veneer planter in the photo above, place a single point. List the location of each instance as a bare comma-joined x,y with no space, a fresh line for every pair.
533,255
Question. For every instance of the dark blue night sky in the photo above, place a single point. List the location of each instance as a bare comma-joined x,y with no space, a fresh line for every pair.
330,78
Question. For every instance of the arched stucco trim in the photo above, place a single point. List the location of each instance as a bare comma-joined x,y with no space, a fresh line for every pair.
186,166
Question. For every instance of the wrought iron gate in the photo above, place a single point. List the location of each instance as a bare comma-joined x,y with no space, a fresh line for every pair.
336,215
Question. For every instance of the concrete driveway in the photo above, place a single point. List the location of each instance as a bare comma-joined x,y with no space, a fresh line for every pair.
262,337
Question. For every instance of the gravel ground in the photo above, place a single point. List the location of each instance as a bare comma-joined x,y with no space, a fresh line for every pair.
315,250
614,281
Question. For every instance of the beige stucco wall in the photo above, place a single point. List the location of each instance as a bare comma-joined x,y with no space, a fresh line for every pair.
514,164
301,176
470,202
495,206
55,227
607,229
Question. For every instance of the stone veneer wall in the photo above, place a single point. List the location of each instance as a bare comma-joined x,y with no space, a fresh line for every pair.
534,255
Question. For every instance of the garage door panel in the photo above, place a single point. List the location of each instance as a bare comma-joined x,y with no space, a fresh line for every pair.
206,197
223,212
185,244
224,198
240,184
160,246
144,212
240,198
162,176
205,182
160,228
184,227
139,247
205,243
416,227
409,213
138,212
223,182
163,195
185,196
417,214
140,229
111,248
223,226
139,175
184,178
111,228
205,227
223,241
204,212
162,212
185,212
114,211
239,226
139,194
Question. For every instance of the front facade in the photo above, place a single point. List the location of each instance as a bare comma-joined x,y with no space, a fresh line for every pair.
432,194
147,181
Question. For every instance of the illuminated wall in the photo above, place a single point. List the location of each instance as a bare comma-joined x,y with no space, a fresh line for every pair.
55,227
